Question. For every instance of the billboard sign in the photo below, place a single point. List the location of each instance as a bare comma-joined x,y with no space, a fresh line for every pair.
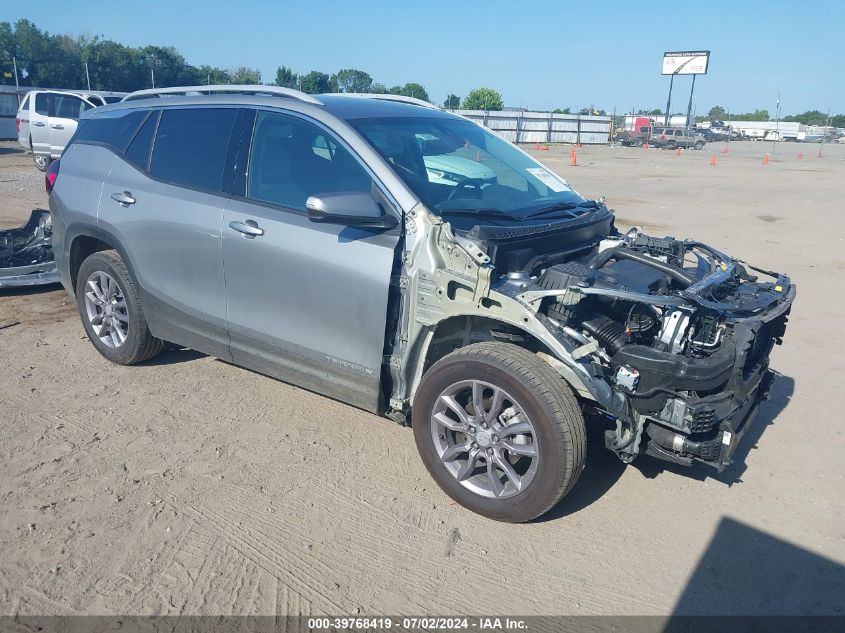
686,62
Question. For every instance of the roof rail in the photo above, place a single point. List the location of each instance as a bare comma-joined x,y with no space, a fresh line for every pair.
390,97
276,91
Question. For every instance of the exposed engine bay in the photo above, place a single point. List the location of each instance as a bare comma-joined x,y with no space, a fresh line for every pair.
674,335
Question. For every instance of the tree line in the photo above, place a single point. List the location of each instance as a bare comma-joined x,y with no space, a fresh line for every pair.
718,113
62,61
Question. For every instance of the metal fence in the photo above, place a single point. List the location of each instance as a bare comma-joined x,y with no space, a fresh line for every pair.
520,126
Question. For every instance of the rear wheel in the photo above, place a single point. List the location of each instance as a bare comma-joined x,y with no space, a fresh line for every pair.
670,145
699,145
500,431
638,142
111,310
42,161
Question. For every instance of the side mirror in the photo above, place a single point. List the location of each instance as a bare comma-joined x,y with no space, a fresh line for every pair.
351,208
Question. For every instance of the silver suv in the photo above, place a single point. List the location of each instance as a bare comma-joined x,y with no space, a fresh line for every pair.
317,240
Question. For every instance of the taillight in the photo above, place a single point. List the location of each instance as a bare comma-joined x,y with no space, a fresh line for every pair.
51,175
18,125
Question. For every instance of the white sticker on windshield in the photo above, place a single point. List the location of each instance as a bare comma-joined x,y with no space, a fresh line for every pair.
552,181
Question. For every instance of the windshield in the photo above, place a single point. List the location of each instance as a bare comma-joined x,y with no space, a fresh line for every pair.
457,167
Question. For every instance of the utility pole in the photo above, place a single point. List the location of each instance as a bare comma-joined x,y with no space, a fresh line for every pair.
777,125
153,76
17,86
87,76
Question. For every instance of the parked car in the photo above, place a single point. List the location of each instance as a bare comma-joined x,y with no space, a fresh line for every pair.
636,138
46,121
306,238
672,137
704,132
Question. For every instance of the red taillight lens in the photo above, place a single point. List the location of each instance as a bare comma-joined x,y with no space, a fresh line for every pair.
18,124
51,175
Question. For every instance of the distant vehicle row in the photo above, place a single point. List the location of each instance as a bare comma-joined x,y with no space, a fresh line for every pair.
47,119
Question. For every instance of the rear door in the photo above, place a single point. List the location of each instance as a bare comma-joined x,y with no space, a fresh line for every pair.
307,302
63,119
163,200
23,121
39,130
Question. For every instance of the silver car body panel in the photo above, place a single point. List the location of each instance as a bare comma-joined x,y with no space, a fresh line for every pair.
304,302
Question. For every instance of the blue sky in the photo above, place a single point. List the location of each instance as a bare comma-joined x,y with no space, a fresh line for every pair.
535,53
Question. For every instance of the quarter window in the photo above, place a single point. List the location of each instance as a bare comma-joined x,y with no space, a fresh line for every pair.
190,146
114,129
291,160
138,152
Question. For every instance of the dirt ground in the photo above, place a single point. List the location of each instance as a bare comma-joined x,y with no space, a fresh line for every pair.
190,486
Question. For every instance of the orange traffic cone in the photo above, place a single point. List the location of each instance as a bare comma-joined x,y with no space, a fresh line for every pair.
820,154
573,161
571,152
765,159
537,146
800,155
645,145
677,151
725,149
713,160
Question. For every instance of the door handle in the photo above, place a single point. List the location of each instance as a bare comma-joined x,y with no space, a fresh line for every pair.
125,198
38,124
249,228
56,126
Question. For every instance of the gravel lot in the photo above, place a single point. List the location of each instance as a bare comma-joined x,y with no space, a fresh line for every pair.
190,486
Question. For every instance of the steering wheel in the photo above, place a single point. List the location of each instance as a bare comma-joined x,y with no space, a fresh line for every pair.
464,184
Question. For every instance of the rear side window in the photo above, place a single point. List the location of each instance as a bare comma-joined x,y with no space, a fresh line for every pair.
138,152
25,104
42,103
190,146
114,129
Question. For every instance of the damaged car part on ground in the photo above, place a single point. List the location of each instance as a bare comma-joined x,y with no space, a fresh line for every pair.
492,308
26,253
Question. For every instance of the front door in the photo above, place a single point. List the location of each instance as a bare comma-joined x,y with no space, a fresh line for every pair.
306,302
63,119
39,129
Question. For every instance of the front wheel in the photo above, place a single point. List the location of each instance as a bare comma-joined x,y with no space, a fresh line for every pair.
499,431
699,145
42,161
638,142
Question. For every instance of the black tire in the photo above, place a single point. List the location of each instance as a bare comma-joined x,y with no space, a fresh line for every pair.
670,145
699,145
42,161
140,344
638,142
548,402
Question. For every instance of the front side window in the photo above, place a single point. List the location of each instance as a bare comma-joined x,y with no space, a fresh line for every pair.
42,103
69,106
457,167
292,159
25,105
190,146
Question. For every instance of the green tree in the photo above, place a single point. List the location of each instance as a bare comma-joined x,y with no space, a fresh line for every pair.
483,99
811,117
213,75
315,82
378,89
415,90
562,111
717,113
113,66
245,75
353,80
452,102
838,120
286,78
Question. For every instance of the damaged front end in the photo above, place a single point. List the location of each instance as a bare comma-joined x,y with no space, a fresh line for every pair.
26,253
680,332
